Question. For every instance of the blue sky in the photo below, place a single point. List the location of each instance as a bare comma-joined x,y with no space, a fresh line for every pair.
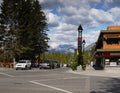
64,17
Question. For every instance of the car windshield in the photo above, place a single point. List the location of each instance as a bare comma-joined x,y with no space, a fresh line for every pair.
56,61
22,62
46,61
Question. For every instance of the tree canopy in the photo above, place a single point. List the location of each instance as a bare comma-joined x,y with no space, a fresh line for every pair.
23,29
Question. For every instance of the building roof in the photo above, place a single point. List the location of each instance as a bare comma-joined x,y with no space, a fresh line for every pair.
113,28
109,31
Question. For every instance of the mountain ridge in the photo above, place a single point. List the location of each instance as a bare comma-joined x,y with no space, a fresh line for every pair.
68,48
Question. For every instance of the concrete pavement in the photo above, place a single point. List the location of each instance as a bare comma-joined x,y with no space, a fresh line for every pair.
3,68
90,71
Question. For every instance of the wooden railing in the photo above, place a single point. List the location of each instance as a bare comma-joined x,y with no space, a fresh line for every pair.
6,64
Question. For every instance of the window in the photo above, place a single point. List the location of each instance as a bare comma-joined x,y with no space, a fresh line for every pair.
112,40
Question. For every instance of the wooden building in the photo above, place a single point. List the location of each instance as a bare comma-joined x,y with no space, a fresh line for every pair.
107,50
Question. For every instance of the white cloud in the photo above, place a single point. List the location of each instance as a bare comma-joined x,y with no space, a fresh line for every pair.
91,37
65,27
53,20
68,10
101,16
49,4
115,12
90,13
53,45
64,17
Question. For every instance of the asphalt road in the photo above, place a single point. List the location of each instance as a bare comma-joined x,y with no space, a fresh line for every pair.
54,81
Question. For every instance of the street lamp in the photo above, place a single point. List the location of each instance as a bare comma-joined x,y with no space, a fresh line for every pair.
83,42
80,58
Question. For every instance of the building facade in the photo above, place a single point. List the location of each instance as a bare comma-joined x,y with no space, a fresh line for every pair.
107,49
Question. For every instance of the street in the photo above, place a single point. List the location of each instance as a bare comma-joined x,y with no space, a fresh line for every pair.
55,81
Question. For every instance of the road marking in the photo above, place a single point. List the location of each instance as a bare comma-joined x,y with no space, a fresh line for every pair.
6,74
65,91
55,88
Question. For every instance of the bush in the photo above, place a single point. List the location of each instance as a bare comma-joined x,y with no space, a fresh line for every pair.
74,64
84,67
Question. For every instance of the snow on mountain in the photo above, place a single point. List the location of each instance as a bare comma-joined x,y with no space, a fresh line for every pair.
67,48
63,49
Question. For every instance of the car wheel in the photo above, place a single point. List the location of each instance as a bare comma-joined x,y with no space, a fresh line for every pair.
40,68
30,67
26,67
53,67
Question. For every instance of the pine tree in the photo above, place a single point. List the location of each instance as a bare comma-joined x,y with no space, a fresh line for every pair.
8,24
25,25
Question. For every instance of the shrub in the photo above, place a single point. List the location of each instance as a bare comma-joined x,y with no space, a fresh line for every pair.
84,67
74,64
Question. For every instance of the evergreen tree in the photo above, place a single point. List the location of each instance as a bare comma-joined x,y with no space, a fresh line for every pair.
40,26
25,25
8,23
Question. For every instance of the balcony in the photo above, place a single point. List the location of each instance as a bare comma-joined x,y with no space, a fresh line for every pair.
112,46
111,43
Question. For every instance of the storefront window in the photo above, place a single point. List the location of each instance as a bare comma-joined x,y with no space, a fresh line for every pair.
112,41
112,62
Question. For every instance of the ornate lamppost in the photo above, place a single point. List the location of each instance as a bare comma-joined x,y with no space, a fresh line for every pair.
80,58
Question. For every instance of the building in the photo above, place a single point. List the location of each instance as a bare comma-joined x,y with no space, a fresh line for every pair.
107,49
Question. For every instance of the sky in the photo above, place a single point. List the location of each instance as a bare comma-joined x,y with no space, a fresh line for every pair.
64,17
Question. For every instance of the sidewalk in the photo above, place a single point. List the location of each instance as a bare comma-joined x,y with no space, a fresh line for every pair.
90,71
3,68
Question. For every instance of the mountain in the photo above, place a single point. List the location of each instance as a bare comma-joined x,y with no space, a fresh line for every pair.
66,48
89,47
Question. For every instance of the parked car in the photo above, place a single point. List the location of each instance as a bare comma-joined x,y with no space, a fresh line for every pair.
56,64
69,64
23,64
47,64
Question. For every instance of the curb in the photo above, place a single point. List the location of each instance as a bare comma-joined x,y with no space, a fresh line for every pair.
103,73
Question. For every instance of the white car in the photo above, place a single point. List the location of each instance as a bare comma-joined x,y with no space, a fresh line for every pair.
23,64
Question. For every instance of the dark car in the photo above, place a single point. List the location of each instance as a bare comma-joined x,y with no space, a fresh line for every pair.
69,64
48,64
56,64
